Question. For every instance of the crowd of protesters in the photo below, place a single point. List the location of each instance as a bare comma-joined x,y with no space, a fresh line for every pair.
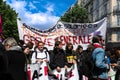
15,56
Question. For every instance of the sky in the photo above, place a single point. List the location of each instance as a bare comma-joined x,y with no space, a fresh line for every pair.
40,14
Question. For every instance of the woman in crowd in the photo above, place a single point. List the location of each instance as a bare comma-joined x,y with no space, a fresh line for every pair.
26,50
70,54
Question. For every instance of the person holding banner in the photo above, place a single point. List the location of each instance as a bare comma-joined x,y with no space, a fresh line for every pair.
40,57
70,54
59,60
40,53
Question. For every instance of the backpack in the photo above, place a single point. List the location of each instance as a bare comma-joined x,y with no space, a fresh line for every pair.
46,51
86,64
42,58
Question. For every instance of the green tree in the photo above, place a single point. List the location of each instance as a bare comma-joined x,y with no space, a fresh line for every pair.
9,20
76,14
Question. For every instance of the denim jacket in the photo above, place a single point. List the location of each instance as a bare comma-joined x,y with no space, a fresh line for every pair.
98,57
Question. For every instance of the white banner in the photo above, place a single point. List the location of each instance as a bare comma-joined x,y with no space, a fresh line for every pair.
38,71
68,74
75,33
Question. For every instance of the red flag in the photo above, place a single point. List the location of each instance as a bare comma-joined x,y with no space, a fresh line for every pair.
0,24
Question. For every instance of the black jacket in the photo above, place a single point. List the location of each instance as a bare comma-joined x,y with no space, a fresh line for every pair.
68,54
16,64
59,59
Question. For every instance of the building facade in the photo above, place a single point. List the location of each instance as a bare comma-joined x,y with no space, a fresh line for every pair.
110,9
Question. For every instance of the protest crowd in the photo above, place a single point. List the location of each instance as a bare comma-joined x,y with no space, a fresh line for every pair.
16,59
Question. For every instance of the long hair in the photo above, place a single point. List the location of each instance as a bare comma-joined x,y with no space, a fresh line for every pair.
69,44
78,48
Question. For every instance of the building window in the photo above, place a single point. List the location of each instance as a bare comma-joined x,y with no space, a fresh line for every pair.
118,33
97,4
118,4
91,17
105,1
91,8
97,14
105,9
118,20
102,11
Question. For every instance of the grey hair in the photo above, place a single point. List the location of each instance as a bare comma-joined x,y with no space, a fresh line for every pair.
10,41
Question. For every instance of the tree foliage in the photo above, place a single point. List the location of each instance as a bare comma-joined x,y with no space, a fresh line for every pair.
9,20
76,14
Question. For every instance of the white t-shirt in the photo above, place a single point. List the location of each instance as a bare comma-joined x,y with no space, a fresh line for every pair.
40,55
